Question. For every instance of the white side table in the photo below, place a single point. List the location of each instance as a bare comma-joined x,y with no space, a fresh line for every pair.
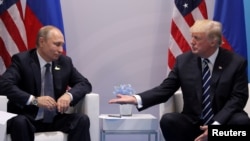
135,124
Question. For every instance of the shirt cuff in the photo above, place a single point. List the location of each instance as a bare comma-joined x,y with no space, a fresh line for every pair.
215,123
30,99
139,101
71,96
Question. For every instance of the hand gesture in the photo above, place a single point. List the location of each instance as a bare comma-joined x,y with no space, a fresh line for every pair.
123,99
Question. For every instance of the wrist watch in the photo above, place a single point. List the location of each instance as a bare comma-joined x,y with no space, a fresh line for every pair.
34,102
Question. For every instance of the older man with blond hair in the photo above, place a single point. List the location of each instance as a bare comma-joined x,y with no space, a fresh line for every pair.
214,84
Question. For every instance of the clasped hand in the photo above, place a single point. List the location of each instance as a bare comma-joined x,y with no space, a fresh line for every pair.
62,104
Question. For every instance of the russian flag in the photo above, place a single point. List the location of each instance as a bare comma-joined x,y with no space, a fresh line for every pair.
231,14
39,13
247,21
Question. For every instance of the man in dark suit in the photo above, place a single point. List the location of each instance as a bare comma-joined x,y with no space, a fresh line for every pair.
228,87
24,85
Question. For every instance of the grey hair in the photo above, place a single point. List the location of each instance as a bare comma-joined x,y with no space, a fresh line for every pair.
44,32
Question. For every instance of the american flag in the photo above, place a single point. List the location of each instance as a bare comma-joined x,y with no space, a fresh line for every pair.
12,31
184,15
20,21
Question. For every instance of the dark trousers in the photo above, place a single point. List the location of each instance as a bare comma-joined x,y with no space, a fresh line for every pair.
179,127
76,125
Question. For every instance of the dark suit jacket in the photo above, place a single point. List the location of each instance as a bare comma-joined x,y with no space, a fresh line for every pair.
229,85
23,78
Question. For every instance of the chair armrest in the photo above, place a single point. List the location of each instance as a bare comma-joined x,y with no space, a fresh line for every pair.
3,125
247,107
167,107
174,104
178,101
3,103
91,107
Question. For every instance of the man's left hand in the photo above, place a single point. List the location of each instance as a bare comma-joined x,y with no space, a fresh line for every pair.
63,103
203,136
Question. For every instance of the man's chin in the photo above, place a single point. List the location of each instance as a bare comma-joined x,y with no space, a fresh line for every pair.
194,51
56,57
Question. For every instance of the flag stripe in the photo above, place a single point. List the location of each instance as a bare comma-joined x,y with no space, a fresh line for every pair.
17,15
18,29
233,26
189,19
12,33
4,53
184,15
10,45
32,25
203,9
12,28
178,37
174,49
47,14
171,59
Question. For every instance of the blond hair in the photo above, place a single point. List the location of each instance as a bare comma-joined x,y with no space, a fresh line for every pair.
213,29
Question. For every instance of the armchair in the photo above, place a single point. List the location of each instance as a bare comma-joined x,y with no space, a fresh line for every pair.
89,105
175,104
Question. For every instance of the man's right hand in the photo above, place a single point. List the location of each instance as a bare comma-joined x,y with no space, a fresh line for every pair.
203,136
123,99
46,102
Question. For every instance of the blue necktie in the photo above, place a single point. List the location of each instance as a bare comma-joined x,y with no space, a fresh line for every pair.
207,113
48,91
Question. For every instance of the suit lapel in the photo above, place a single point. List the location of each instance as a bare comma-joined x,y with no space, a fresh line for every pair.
198,79
35,66
219,65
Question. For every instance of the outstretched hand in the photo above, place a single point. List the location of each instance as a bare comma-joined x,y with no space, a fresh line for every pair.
203,136
123,99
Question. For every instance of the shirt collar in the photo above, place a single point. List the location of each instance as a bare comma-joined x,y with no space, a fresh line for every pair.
213,56
41,60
